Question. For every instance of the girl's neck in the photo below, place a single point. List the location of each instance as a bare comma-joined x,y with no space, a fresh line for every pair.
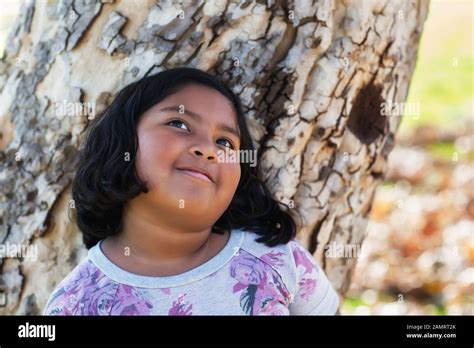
147,247
161,246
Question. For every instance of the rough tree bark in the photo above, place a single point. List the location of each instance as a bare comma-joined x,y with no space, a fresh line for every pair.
311,76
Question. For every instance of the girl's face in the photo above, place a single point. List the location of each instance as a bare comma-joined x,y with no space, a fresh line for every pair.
187,130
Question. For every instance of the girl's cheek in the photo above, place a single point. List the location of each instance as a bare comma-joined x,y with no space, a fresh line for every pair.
162,146
232,172
150,153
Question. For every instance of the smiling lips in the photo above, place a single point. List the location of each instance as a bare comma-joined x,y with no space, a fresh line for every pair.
196,175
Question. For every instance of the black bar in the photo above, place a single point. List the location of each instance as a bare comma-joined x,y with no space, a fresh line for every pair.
135,331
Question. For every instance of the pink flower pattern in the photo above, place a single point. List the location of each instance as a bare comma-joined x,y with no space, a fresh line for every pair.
181,307
261,287
258,283
305,264
90,292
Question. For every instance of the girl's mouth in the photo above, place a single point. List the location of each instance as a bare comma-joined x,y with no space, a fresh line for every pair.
201,177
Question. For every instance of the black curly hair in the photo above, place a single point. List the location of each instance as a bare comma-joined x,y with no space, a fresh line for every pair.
104,182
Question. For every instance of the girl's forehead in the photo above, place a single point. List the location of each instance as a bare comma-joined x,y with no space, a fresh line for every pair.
195,94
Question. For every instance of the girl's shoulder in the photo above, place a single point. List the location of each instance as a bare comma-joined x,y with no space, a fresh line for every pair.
292,270
78,289
292,251
291,260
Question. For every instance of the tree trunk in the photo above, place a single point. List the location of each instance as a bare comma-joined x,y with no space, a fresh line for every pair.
311,76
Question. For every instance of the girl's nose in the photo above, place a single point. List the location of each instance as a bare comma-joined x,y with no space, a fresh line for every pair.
204,151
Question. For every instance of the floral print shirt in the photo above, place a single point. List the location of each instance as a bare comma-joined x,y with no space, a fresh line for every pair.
245,278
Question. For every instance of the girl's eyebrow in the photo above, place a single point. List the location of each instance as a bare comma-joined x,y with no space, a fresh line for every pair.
221,126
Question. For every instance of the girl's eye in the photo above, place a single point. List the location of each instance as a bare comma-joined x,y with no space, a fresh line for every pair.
179,122
180,125
230,144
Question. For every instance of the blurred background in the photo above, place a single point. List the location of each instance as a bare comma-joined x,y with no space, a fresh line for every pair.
8,11
418,256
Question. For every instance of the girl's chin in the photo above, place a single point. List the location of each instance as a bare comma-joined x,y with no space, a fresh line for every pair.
197,197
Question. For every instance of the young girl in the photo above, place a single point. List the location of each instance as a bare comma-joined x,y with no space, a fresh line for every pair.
172,229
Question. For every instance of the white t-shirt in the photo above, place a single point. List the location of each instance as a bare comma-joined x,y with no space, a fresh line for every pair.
245,278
